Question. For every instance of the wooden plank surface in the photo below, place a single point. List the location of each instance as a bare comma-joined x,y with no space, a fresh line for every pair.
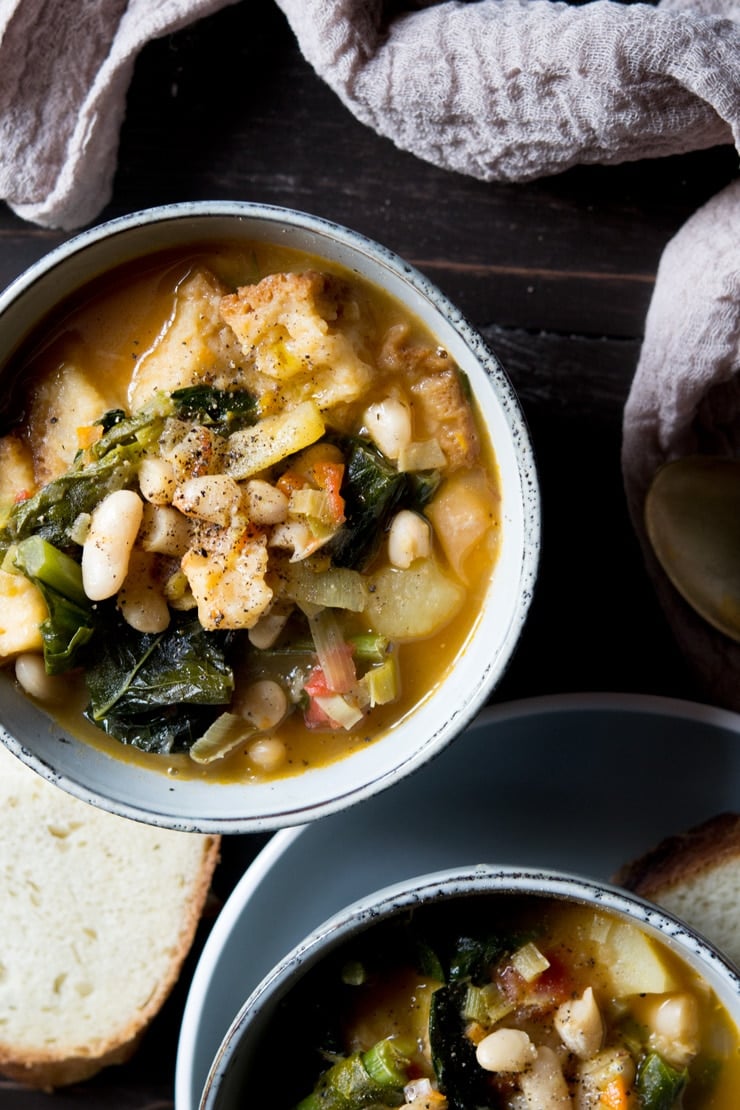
557,274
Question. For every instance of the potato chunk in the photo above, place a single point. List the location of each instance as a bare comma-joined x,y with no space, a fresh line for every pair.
22,609
63,403
16,469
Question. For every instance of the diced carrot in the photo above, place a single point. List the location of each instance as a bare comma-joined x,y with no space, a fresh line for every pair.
22,495
614,1096
289,481
329,476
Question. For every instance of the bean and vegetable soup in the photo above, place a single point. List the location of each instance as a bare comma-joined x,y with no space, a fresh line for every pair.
247,512
523,1003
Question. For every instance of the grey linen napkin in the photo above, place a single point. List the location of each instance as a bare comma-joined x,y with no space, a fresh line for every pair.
502,90
685,399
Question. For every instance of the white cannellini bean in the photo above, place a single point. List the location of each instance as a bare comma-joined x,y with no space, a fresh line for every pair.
543,1084
107,548
157,480
389,425
674,1025
141,599
265,503
409,539
30,672
165,530
505,1050
580,1025
213,497
264,703
268,753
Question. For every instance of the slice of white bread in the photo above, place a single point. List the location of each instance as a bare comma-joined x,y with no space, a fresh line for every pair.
696,876
97,914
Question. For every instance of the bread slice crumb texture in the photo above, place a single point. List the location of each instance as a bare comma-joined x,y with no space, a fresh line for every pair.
97,913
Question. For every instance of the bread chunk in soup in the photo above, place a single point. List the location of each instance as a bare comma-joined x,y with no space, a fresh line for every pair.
250,512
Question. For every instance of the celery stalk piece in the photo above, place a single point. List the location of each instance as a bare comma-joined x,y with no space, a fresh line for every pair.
42,562
70,623
373,1078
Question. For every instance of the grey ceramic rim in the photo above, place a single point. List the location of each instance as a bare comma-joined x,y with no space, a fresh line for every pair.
478,880
420,288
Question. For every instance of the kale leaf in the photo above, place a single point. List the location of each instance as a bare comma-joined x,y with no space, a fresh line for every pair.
224,410
158,691
373,490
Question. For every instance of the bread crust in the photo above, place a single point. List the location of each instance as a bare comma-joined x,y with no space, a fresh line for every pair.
680,858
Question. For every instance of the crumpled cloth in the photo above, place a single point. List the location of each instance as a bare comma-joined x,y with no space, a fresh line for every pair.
502,90
685,400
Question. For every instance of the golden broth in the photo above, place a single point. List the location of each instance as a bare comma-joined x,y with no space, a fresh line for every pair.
104,336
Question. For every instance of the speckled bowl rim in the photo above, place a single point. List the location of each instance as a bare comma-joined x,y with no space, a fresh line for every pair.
127,237
478,880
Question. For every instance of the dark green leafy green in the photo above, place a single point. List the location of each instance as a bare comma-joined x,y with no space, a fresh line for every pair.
373,490
52,511
453,1054
473,957
659,1085
158,691
225,410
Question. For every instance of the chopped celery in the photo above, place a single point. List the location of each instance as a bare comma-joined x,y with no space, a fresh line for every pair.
387,1063
225,734
383,683
486,1004
372,1078
370,646
70,623
529,962
475,1007
354,973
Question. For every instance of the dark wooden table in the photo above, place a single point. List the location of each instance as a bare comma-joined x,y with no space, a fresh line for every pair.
556,274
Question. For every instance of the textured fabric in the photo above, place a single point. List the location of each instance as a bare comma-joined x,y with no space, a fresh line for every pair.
685,399
499,89
65,67
508,90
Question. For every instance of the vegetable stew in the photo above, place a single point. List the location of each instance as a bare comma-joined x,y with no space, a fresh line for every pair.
247,513
518,1003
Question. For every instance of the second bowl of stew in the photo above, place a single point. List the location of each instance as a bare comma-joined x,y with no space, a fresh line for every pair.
492,988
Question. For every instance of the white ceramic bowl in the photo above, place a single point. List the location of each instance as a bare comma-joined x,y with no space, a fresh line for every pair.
149,795
227,1082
